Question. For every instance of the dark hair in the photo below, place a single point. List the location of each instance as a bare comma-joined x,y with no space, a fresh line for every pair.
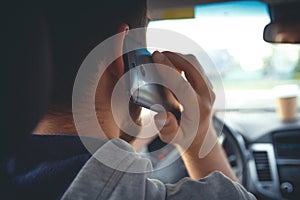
75,29
25,76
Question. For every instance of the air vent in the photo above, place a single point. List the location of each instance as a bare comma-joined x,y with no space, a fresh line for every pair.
262,165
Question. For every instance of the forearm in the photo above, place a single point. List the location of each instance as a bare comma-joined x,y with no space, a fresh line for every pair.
212,156
215,160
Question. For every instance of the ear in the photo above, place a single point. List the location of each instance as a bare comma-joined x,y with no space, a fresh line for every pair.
117,67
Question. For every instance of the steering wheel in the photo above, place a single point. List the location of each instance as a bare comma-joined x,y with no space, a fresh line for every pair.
171,173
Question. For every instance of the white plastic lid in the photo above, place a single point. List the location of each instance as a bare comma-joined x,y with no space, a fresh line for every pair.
286,91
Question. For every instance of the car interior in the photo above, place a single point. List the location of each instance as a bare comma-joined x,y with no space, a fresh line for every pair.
255,47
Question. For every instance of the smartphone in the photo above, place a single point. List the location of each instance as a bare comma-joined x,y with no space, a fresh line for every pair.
142,86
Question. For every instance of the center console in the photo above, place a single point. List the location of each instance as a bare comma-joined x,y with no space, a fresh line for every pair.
287,152
275,167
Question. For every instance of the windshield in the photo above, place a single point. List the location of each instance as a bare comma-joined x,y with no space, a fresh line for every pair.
232,35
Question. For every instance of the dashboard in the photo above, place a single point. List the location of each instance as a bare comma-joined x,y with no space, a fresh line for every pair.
272,153
263,152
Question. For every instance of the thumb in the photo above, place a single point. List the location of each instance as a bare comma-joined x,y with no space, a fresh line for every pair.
167,125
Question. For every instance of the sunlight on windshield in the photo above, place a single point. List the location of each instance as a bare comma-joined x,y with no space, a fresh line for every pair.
232,35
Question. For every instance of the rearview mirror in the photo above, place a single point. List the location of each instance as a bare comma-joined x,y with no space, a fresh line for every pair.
285,23
282,32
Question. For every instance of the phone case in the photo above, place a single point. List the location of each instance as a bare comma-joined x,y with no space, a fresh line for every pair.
142,81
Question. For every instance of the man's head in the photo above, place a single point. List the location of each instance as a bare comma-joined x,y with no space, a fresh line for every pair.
74,30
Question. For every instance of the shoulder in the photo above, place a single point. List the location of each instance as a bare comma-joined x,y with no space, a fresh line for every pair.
214,186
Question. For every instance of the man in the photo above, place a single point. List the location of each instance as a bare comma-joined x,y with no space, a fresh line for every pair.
116,172
52,158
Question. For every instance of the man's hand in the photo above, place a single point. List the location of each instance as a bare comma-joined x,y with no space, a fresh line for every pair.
202,91
198,164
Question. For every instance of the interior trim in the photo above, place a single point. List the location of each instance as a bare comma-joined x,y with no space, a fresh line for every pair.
268,188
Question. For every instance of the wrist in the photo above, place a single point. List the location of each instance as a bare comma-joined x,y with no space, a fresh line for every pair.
201,144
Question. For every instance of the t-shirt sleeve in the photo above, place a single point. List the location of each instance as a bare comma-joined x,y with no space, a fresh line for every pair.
214,186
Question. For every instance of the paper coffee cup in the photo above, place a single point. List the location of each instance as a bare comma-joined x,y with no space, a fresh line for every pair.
286,101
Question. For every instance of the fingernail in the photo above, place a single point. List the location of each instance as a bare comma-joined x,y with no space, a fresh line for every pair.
159,56
162,122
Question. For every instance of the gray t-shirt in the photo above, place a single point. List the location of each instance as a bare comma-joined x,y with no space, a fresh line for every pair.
116,172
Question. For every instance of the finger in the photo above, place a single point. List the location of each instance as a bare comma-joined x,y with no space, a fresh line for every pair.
181,88
168,126
193,71
160,58
171,78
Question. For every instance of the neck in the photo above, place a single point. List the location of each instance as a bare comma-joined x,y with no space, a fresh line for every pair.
57,124
63,124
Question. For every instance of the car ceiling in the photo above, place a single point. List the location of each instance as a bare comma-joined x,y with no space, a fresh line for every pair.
163,4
